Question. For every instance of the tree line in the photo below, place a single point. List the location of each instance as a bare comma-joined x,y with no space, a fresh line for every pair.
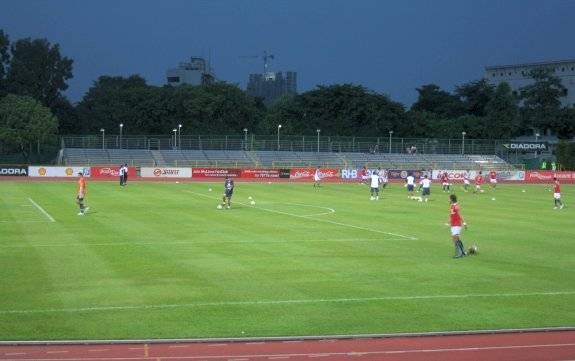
34,110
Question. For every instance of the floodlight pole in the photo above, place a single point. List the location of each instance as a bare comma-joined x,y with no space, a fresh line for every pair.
463,142
536,140
121,128
390,134
103,138
180,135
245,139
175,137
318,131
279,127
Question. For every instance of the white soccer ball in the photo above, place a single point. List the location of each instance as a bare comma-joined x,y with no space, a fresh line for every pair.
219,206
269,182
253,203
177,182
209,189
492,199
250,197
482,191
523,191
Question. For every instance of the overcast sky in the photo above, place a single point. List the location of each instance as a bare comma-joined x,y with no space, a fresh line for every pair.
391,47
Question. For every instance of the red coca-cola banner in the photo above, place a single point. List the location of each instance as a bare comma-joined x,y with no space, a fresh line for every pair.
546,176
216,172
307,173
265,173
110,172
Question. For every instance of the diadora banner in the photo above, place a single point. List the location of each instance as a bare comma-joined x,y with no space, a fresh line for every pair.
527,146
303,173
391,173
216,172
68,172
165,172
111,172
547,176
14,170
265,173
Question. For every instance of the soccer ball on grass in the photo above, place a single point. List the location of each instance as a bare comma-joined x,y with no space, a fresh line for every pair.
219,206
472,249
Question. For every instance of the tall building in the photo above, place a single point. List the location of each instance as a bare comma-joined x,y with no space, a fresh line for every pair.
517,76
196,72
271,85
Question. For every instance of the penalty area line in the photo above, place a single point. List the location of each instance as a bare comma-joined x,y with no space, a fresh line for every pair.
287,302
313,219
42,210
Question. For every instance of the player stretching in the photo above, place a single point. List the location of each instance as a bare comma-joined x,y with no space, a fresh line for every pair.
478,183
445,182
493,179
410,184
456,221
374,190
317,177
425,187
466,180
228,192
81,194
557,194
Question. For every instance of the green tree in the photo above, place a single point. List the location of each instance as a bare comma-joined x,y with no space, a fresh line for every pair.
434,100
37,69
4,60
475,96
541,100
25,124
502,113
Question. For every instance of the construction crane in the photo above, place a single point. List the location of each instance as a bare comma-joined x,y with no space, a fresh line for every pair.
266,58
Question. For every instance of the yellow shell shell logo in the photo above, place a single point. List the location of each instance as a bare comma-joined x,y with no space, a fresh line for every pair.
69,171
42,171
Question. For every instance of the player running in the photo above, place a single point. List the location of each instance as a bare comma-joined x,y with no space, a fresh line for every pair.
374,188
493,179
425,187
317,177
456,221
81,194
445,182
478,183
228,192
557,194
466,180
410,185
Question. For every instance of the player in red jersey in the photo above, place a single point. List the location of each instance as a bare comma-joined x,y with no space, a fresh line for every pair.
493,179
478,182
557,194
364,175
445,182
456,222
81,194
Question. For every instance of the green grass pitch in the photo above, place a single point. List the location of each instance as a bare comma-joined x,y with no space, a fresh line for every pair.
158,260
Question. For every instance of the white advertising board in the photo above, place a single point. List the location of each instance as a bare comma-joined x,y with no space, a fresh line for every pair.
46,171
163,172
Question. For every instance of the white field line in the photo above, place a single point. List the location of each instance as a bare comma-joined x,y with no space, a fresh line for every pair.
195,242
312,219
42,210
333,354
287,302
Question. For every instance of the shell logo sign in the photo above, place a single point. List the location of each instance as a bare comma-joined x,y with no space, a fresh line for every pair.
42,171
69,172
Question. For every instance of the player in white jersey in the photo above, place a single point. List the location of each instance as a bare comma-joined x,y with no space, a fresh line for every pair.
466,180
317,177
425,187
410,185
374,190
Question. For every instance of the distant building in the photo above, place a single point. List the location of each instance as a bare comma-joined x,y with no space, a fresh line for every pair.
196,72
517,76
272,85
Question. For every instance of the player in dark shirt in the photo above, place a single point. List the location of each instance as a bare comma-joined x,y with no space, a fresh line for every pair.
228,192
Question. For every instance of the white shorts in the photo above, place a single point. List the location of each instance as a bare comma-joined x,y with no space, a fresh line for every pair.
557,195
445,183
316,179
466,181
455,230
477,186
493,181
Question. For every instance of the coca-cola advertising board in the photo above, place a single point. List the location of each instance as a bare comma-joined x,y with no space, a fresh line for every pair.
265,173
547,176
164,172
307,173
111,172
216,172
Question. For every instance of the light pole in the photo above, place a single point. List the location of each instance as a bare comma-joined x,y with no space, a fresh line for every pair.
246,139
536,140
318,131
121,128
180,135
175,137
390,134
103,137
463,142
279,127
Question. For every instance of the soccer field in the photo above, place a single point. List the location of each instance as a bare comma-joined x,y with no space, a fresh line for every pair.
158,260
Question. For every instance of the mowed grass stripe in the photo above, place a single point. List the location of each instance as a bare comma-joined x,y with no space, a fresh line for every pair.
246,255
